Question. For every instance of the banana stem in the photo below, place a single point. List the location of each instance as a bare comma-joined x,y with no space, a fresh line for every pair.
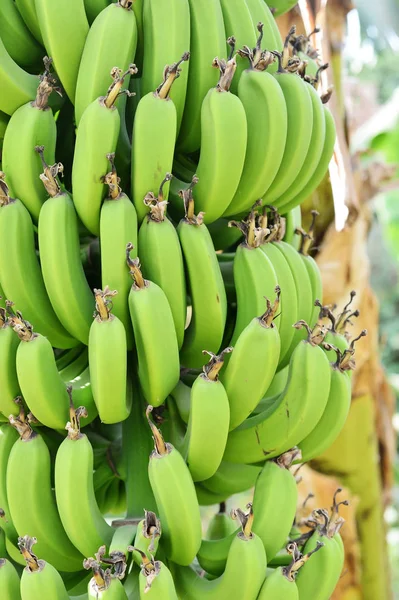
170,74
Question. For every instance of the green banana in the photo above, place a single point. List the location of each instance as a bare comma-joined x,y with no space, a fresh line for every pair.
220,525
108,361
96,138
293,221
207,41
21,86
30,126
242,576
20,274
74,472
27,10
252,365
154,335
39,578
155,579
238,25
112,40
166,33
94,7
63,274
266,114
176,500
153,138
64,43
223,236
207,498
18,40
223,145
209,419
311,266
8,436
205,285
132,583
181,395
260,13
254,276
30,496
66,358
147,537
286,421
9,581
280,7
9,386
161,257
121,540
232,478
106,584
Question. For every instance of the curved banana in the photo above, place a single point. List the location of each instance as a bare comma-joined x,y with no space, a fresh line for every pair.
166,33
21,86
66,358
96,138
223,236
221,525
9,386
181,395
261,13
83,395
176,500
232,478
207,41
238,25
147,537
252,365
205,284
112,40
8,437
209,419
39,578
293,221
94,7
286,421
27,10
18,40
154,334
207,498
30,497
242,576
108,361
266,114
155,120
161,257
20,274
64,44
9,580
63,274
280,7
73,473
31,125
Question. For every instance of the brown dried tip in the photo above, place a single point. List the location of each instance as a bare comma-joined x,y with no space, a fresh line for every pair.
115,89
316,335
134,268
112,180
157,204
104,303
245,519
25,545
271,310
170,74
212,368
161,448
73,425
285,460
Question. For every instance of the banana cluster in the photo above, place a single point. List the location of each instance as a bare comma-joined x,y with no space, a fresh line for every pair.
163,340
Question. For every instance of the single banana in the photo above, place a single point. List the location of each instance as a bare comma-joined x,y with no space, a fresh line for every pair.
261,13
30,496
83,395
155,120
232,478
176,500
8,437
20,274
108,361
181,395
280,7
64,44
39,578
220,525
27,10
147,537
112,40
293,221
21,86
312,268
161,257
63,274
122,539
94,7
205,285
18,40
242,576
166,33
96,138
74,490
155,580
66,358
252,365
154,335
223,236
209,419
9,386
207,41
207,498
266,114
238,25
286,422
31,125
9,580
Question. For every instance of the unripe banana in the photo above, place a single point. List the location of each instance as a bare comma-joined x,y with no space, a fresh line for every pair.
176,500
18,40
155,120
20,274
293,221
31,500
147,537
94,7
154,335
232,478
39,578
252,365
220,525
207,498
63,274
166,32
9,581
205,284
74,472
311,265
223,236
161,257
8,437
280,7
21,86
30,126
64,43
9,386
96,138
261,13
118,226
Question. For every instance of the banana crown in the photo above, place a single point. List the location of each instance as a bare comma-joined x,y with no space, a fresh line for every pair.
103,300
259,60
102,578
170,74
25,545
157,204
